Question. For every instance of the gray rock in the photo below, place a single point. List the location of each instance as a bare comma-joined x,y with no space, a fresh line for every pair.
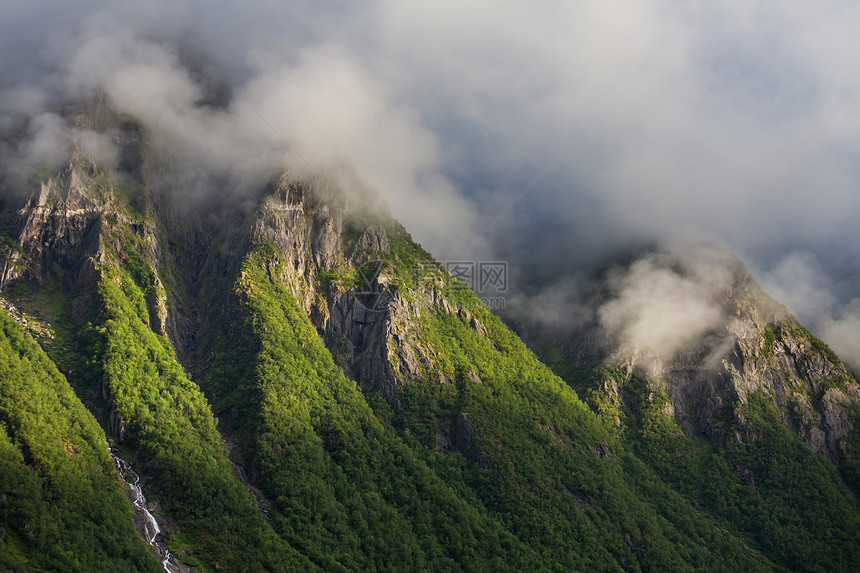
374,240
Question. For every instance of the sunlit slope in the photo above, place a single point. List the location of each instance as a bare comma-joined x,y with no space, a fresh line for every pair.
61,503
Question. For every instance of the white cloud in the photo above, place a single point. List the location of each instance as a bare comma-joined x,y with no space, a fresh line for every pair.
843,333
664,303
801,283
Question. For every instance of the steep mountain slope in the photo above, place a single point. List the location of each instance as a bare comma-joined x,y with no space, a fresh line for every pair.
302,387
61,506
751,417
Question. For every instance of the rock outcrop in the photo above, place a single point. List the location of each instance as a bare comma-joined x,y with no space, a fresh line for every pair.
346,286
58,224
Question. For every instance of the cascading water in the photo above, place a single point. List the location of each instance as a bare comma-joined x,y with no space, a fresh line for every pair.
150,526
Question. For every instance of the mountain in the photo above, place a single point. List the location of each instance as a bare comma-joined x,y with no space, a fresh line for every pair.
300,386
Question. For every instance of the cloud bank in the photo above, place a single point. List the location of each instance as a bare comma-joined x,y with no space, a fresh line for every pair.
552,135
314,109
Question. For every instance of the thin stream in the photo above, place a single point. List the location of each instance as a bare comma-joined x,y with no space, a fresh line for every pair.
150,526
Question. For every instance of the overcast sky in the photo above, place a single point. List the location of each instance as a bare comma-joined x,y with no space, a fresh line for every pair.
549,134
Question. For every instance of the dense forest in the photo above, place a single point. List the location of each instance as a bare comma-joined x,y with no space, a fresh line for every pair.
61,502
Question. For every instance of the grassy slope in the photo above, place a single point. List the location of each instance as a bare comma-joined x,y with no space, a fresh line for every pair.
61,503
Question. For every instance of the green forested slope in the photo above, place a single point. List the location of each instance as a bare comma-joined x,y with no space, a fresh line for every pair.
760,482
342,487
559,478
170,432
770,488
548,491
61,502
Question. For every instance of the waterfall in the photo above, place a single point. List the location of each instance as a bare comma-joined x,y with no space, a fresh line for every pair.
150,526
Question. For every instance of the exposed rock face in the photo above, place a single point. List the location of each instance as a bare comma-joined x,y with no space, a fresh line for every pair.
772,354
373,240
465,433
59,222
366,324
